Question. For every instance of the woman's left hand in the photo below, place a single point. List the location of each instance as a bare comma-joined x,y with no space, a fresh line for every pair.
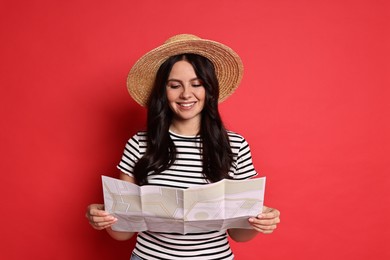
267,221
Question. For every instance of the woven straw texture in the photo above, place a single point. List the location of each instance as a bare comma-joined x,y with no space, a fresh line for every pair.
227,63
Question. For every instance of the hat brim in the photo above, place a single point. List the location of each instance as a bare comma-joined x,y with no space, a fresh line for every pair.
228,66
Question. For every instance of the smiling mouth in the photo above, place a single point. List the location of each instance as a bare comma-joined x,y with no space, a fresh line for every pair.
186,105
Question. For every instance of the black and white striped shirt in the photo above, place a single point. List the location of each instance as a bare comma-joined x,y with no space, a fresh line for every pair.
186,172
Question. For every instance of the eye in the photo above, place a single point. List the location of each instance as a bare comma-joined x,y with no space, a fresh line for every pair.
197,84
174,86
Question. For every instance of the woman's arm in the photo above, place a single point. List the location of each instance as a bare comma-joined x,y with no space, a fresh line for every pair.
100,219
265,223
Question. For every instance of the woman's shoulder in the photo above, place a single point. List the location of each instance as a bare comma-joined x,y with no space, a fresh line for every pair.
138,136
141,133
234,136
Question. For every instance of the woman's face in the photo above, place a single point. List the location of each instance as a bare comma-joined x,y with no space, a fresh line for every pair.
185,93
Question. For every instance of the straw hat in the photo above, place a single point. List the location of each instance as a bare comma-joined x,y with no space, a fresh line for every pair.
227,63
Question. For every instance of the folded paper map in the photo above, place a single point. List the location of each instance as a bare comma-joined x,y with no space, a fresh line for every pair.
216,206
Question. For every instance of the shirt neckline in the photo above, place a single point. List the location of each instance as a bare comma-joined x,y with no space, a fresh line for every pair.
184,136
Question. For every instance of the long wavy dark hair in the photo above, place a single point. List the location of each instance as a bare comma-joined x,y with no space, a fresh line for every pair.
160,153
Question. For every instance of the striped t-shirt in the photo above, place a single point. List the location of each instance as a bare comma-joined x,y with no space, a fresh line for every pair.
185,172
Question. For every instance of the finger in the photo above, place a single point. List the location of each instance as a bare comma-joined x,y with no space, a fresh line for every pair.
269,213
264,221
96,210
266,209
266,232
102,223
266,229
105,219
99,216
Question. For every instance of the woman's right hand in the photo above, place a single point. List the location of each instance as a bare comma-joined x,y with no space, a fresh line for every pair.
98,218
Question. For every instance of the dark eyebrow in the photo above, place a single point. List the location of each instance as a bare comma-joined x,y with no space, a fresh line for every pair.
174,80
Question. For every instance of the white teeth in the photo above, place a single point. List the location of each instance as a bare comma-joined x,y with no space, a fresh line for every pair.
186,105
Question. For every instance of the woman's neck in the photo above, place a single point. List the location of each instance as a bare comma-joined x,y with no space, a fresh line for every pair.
185,128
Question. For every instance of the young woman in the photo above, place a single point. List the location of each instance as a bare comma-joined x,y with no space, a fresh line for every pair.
186,143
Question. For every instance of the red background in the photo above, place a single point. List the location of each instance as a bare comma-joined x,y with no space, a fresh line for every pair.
313,104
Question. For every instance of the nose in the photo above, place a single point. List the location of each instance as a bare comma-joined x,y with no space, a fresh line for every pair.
186,92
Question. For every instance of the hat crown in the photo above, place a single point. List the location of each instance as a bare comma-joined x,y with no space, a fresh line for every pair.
182,37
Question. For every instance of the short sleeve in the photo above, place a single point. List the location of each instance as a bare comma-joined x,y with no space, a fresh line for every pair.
243,167
133,151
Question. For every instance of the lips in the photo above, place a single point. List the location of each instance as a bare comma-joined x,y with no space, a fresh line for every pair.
187,105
